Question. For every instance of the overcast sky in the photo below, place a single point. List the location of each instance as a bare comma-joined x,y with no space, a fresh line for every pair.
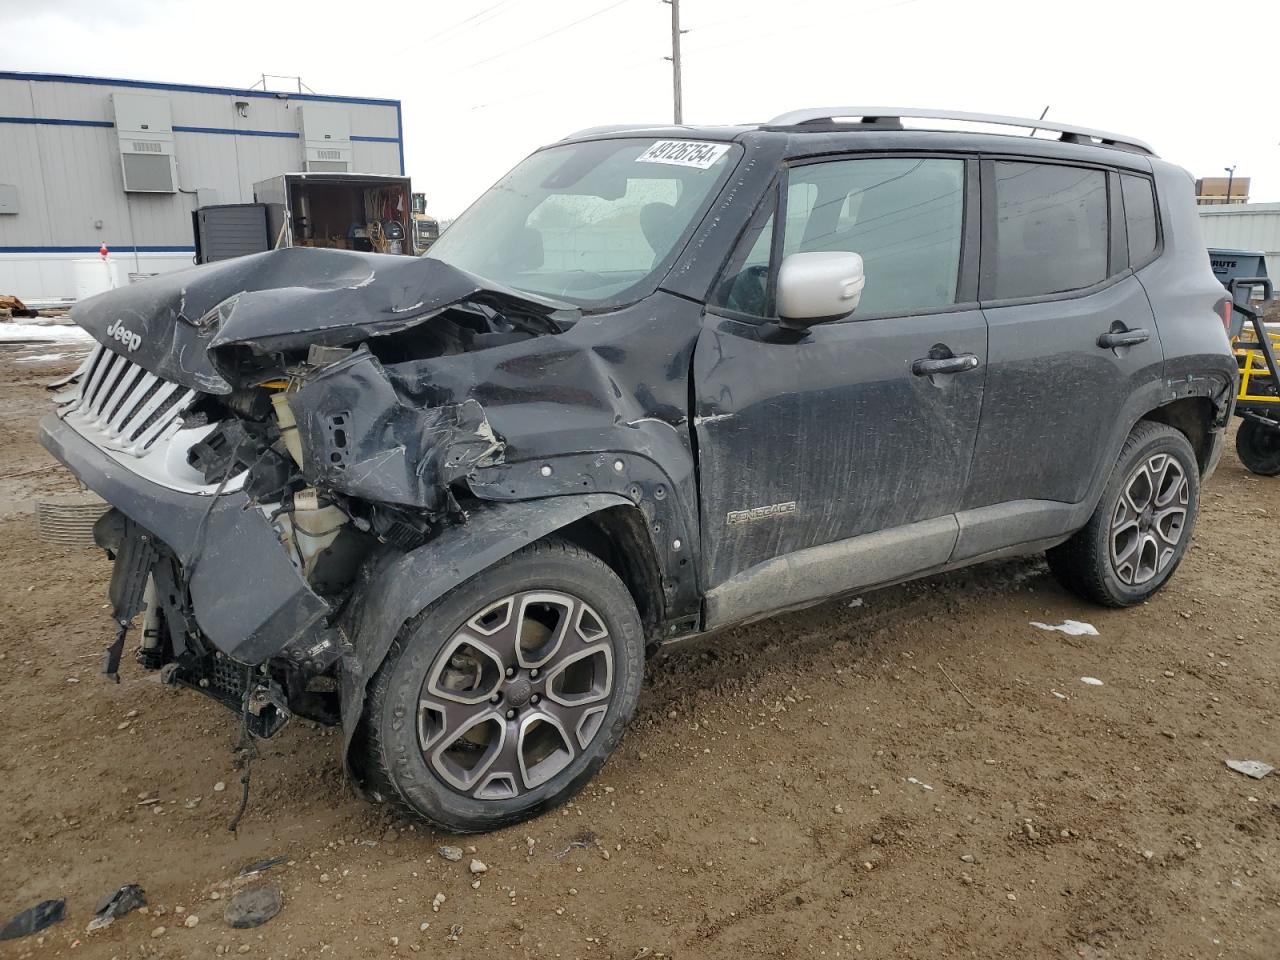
484,82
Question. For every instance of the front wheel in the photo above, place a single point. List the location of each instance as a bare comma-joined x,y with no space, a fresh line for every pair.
501,699
1258,447
1142,526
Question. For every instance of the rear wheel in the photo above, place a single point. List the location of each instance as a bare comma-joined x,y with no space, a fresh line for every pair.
1258,447
502,699
1142,526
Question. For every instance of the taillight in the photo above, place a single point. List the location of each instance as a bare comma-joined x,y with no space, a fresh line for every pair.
1223,309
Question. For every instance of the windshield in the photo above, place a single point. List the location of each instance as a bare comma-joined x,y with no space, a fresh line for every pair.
592,223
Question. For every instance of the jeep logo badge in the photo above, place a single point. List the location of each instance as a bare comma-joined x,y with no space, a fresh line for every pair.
118,331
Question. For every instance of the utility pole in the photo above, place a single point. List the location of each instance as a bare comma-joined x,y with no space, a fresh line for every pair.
677,97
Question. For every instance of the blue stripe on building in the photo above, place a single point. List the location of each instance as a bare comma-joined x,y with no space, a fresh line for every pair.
233,132
57,122
192,88
222,131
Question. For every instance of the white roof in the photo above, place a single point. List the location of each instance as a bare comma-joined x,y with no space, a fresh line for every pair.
1221,209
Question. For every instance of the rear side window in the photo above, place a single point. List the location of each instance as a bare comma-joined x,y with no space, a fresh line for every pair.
1139,217
1051,228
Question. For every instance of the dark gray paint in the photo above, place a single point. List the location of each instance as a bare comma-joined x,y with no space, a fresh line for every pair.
836,423
272,304
395,586
247,598
1054,397
893,475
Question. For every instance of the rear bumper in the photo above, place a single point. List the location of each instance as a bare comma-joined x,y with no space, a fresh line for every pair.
247,597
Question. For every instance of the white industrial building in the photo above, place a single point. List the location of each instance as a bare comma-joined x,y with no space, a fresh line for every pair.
86,161
1244,226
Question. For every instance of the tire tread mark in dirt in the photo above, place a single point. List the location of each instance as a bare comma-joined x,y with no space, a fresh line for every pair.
815,871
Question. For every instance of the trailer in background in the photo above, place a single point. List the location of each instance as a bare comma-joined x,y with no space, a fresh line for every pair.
342,211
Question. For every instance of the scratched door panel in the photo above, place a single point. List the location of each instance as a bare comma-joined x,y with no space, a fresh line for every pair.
837,425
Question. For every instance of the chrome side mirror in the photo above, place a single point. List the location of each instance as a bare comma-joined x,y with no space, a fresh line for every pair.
824,285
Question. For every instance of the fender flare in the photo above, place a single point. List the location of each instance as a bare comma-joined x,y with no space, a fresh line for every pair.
1214,386
396,586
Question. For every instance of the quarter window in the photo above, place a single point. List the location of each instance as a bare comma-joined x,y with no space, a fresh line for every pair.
745,286
1139,217
1051,228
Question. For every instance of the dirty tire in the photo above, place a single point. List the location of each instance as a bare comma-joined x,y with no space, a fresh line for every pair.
397,765
1258,447
1085,565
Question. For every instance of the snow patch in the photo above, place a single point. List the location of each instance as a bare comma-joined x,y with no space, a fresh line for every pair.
10,332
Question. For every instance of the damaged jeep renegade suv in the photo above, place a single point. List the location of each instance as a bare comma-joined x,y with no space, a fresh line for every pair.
655,382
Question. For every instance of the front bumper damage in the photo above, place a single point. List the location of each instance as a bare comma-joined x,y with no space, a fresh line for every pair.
249,601
251,422
185,394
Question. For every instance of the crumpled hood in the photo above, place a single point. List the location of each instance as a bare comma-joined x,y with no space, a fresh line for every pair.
281,300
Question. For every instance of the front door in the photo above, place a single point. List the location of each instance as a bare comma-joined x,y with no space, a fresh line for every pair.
808,441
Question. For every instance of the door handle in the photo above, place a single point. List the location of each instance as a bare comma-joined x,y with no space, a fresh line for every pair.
1123,338
928,366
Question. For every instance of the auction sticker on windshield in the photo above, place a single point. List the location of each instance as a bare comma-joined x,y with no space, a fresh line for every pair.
684,153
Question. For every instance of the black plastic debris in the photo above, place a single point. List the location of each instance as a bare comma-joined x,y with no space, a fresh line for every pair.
261,866
253,908
34,919
116,904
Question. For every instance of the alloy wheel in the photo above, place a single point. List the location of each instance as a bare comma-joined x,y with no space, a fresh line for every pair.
516,694
1149,520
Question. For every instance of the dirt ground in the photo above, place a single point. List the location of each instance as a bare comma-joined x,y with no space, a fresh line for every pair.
919,773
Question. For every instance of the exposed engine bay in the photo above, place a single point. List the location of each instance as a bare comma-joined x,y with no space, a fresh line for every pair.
287,439
307,428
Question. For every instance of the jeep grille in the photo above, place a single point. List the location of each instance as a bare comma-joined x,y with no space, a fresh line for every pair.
120,406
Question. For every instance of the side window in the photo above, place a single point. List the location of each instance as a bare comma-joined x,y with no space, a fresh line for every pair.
1051,228
904,216
1139,216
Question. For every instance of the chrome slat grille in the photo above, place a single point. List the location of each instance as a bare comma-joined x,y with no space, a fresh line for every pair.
120,406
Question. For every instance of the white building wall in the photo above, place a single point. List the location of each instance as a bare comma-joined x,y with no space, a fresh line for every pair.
59,148
1245,226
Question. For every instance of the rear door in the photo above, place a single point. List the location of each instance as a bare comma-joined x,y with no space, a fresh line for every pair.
1071,333
811,439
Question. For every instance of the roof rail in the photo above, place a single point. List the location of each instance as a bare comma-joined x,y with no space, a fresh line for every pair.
609,128
1071,134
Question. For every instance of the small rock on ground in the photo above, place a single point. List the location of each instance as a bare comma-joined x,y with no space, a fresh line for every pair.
253,907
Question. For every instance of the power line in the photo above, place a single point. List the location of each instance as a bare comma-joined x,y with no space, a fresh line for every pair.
545,36
462,26
474,16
